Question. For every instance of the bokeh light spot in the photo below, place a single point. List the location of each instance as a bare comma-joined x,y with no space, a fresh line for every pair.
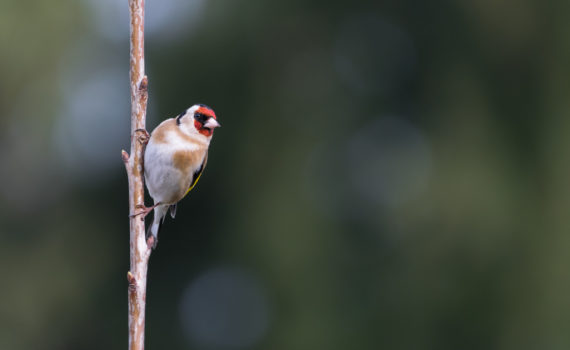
94,125
391,162
164,18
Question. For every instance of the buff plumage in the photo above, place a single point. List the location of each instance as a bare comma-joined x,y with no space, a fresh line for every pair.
175,158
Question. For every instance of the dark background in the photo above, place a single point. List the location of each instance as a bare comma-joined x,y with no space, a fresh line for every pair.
389,175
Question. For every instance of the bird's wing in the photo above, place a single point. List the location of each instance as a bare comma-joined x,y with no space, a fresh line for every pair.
197,174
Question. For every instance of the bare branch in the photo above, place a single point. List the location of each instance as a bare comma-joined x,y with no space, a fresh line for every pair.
139,249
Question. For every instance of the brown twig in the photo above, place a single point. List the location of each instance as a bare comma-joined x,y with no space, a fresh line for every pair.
139,249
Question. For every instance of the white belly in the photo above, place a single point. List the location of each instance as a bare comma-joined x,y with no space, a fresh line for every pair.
162,178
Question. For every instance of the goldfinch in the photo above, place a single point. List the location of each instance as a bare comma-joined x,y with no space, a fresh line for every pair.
175,157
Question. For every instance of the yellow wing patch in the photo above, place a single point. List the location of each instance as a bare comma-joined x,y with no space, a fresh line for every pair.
197,175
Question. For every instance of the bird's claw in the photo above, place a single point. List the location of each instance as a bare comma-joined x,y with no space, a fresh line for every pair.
144,211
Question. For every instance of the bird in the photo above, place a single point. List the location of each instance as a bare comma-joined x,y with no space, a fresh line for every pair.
174,159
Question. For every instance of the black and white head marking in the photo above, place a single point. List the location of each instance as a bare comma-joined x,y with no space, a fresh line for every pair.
180,116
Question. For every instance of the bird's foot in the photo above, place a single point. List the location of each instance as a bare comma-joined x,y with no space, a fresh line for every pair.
144,211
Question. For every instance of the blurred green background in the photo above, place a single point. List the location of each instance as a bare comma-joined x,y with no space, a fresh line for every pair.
389,175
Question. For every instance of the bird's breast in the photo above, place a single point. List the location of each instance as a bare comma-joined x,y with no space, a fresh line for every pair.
188,161
184,158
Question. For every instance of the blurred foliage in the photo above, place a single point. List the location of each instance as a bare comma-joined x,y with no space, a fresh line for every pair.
388,175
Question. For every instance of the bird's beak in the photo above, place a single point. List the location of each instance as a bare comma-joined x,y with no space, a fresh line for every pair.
212,123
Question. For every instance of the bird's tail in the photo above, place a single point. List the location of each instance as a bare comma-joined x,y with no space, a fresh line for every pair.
157,220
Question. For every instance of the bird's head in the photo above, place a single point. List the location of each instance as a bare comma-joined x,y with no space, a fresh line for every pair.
198,119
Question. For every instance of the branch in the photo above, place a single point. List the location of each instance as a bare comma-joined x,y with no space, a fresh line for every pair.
139,249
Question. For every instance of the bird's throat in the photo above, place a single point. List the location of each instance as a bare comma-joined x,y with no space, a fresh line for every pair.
201,129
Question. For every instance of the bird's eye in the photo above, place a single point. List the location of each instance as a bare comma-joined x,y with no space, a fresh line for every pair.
200,117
